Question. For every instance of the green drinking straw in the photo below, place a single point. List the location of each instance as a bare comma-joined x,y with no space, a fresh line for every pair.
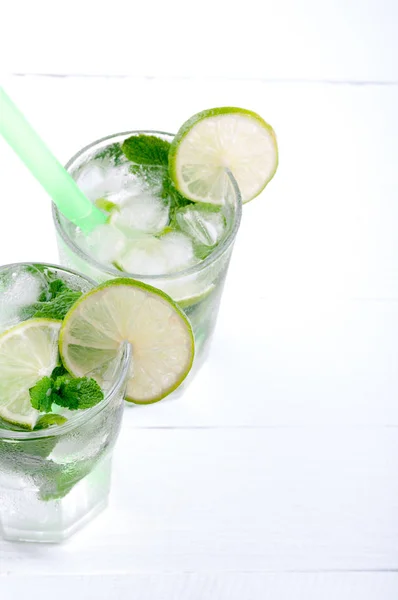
70,200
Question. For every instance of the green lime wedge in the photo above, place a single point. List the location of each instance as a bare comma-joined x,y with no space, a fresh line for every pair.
127,310
218,139
28,352
106,205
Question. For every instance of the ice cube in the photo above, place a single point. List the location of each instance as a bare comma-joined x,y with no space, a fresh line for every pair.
205,224
144,257
105,243
154,256
20,287
90,181
178,251
102,179
144,213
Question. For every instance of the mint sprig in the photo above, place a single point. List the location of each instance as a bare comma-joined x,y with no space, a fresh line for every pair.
64,390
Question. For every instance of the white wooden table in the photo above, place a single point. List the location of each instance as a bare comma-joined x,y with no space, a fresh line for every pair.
276,475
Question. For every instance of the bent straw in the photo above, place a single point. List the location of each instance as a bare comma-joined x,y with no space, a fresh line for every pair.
70,200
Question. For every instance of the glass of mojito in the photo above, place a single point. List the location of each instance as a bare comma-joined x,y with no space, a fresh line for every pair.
153,233
173,207
57,431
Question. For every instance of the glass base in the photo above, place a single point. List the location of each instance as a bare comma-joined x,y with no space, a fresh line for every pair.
24,517
54,537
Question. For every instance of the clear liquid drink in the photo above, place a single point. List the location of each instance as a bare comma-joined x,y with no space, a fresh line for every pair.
185,251
53,480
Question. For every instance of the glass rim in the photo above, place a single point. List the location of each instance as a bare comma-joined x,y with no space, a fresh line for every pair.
219,250
82,416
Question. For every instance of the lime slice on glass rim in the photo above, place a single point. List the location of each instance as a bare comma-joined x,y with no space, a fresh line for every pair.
218,139
28,352
127,310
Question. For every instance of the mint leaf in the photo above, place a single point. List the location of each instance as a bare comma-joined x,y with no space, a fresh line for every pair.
79,393
41,394
58,371
113,152
59,480
202,251
35,449
48,304
89,392
170,191
53,303
55,287
48,420
146,150
151,155
176,200
57,307
61,381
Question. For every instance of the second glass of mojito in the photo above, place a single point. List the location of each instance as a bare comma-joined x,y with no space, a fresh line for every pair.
69,354
55,466
153,234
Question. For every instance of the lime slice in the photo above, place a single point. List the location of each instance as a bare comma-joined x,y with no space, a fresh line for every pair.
127,310
218,139
187,295
28,352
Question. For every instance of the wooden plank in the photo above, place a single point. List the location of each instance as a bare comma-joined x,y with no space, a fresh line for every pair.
259,500
209,586
308,329
216,511
287,362
336,39
326,222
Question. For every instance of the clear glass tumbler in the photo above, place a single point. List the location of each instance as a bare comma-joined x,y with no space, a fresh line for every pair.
199,286
53,481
